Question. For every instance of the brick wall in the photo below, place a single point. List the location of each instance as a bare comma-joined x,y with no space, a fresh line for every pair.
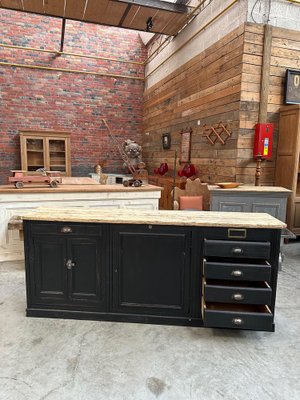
65,101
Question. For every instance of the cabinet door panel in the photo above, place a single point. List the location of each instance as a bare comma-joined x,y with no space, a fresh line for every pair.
272,209
232,206
49,269
297,215
85,283
152,272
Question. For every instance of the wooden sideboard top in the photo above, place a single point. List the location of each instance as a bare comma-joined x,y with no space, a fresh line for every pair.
155,217
252,189
77,188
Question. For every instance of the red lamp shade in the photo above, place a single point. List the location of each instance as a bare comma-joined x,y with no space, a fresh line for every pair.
188,170
162,169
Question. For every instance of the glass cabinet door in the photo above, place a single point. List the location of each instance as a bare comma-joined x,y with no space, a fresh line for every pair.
35,154
57,155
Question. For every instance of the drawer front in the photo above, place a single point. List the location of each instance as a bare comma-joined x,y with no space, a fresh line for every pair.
260,319
65,228
237,271
237,294
236,249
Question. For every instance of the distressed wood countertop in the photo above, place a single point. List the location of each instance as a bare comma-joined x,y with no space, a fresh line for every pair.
155,217
249,188
77,189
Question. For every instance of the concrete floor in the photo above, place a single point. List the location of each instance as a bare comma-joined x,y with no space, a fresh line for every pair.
57,359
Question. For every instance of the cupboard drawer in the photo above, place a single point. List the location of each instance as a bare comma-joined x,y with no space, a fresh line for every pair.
66,228
237,292
234,316
259,270
236,249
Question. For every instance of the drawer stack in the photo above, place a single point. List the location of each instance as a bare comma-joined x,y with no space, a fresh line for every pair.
236,284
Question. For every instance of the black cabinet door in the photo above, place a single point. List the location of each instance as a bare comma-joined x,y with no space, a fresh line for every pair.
66,270
86,271
48,275
151,270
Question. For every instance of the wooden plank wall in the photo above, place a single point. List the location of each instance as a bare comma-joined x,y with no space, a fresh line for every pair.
206,89
221,84
285,53
250,98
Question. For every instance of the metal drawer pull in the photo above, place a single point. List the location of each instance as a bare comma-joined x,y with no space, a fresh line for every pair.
237,250
237,296
66,229
237,321
237,273
70,264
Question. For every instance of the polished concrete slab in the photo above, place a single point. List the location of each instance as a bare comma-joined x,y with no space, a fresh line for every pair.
58,359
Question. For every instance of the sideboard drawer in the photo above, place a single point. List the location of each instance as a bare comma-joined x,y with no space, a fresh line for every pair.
237,316
236,249
237,292
259,270
66,228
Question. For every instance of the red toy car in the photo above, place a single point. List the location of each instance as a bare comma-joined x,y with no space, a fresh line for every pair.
52,178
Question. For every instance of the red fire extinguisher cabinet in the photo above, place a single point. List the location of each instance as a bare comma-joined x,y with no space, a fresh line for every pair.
263,141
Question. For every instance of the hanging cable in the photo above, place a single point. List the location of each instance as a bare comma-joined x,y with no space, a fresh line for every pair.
252,10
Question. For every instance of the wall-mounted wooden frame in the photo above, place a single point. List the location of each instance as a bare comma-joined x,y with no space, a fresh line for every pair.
292,87
185,146
166,141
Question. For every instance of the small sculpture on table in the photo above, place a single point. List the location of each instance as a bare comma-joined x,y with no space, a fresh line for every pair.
130,152
141,173
133,152
102,177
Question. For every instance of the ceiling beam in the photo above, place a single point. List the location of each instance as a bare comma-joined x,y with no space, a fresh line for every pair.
63,29
125,15
156,12
158,4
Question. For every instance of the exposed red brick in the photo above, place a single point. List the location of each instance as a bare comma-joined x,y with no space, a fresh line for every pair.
51,100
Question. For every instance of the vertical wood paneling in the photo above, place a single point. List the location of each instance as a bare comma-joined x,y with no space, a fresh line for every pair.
223,83
206,90
285,53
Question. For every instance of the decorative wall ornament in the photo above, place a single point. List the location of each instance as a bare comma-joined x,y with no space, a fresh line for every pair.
185,146
166,141
219,132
